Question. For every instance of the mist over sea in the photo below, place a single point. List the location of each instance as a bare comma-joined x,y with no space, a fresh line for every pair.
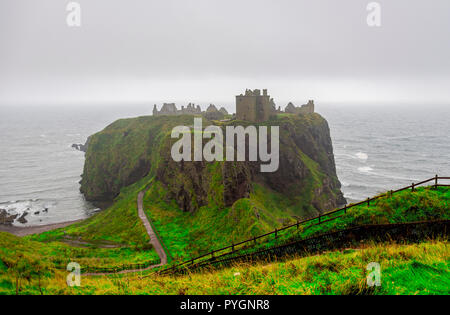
376,148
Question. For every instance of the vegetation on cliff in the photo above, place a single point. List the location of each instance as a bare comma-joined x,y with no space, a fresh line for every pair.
131,149
222,200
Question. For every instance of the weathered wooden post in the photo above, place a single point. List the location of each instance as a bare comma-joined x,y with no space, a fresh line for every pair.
345,209
368,202
435,181
298,224
232,247
319,218
276,232
412,187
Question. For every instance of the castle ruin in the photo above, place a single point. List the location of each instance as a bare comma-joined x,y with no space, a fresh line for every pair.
304,109
211,113
252,106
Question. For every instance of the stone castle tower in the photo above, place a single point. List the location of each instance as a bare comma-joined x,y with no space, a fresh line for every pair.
254,107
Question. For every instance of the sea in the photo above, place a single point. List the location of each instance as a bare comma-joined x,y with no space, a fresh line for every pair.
377,147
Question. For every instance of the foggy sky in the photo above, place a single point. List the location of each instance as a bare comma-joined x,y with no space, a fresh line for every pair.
211,50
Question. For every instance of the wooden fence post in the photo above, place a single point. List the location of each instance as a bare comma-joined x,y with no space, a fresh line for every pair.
298,223
412,187
435,181
319,218
276,231
254,239
368,202
232,247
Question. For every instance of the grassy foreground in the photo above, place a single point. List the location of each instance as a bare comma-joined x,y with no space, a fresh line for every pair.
405,269
32,265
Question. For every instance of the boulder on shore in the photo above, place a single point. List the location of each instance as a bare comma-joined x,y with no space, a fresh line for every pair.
6,218
22,218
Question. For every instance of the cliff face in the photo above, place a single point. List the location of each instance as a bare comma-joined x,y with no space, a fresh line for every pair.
305,182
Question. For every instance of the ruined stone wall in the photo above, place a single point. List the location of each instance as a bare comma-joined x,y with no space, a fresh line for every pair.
254,108
307,108
246,108
263,108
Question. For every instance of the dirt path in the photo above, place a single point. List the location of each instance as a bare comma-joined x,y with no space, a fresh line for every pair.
23,231
153,240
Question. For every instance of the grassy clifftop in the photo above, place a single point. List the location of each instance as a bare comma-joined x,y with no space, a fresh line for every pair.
130,149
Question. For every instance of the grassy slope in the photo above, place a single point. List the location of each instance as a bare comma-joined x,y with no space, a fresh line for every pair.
119,223
405,269
188,236
406,206
26,257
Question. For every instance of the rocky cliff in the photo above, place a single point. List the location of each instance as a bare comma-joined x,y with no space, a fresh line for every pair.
129,149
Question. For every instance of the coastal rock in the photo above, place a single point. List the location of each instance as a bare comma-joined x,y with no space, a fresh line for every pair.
81,147
22,218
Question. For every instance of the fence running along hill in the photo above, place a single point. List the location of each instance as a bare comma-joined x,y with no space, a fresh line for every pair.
322,218
411,232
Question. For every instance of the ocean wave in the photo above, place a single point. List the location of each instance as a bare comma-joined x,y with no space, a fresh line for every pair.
365,169
30,207
362,156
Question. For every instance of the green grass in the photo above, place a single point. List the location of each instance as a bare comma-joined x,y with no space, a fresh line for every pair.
405,269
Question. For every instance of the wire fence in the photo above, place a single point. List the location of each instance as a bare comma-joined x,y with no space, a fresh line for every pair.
109,269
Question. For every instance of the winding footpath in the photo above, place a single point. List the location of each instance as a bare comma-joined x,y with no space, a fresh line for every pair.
153,240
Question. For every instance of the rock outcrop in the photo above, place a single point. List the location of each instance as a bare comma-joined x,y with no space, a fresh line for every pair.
131,149
6,218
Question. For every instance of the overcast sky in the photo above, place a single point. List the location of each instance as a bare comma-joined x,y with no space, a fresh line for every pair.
211,50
